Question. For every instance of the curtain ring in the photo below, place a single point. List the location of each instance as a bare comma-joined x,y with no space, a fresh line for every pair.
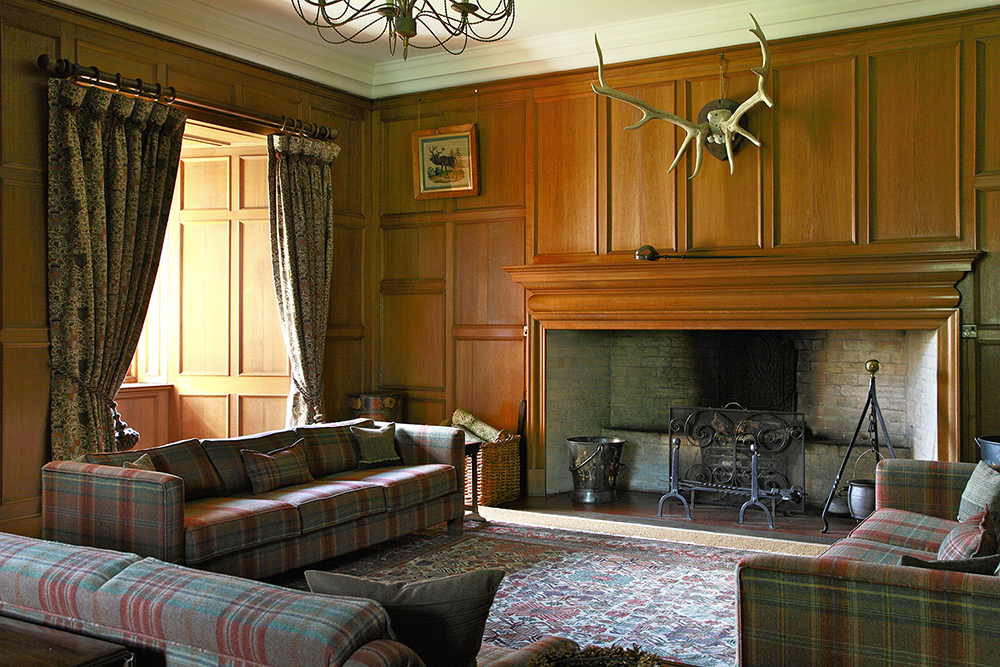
118,82
284,122
173,95
159,92
97,74
309,132
138,87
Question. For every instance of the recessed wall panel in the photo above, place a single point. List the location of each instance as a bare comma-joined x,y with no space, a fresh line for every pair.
204,416
915,135
261,413
204,298
204,184
413,341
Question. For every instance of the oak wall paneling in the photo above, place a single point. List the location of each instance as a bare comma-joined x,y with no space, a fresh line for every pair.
814,154
834,176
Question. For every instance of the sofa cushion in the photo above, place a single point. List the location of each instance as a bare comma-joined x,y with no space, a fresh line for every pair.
852,548
976,536
282,467
409,485
185,459
331,447
442,619
225,456
42,578
217,526
378,446
901,528
982,489
327,503
235,621
141,463
977,565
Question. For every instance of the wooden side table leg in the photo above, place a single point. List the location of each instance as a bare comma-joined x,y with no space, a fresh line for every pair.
472,451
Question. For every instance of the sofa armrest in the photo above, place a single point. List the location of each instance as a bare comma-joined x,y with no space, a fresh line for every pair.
797,610
420,444
933,488
384,653
138,511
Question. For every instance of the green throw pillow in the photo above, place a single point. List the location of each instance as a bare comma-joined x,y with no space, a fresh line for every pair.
378,446
281,467
976,536
980,565
442,620
141,463
983,488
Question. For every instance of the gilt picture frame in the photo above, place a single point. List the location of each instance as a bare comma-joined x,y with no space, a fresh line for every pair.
446,162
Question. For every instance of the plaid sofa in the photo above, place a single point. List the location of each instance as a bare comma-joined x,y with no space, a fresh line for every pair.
198,507
175,616
854,605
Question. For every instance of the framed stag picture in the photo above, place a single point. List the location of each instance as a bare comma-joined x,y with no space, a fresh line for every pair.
446,162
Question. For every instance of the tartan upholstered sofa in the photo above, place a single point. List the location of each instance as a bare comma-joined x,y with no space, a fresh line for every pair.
198,506
855,605
169,615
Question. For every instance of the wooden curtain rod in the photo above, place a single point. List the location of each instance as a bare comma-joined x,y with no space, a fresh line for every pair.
64,69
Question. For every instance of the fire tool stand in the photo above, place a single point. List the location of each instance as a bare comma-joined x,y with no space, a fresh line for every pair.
872,366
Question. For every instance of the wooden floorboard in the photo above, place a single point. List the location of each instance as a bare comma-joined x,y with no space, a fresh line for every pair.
641,507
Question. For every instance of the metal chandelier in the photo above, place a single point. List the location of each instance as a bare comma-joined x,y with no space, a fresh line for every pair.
356,21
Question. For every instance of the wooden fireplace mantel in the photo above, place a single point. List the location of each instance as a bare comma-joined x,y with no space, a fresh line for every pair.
905,291
914,291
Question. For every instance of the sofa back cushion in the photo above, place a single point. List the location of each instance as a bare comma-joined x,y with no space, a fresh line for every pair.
185,459
331,447
225,456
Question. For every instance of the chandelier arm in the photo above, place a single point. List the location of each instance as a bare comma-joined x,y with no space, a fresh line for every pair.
352,37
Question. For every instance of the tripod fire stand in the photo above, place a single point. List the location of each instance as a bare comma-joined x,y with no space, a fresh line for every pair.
872,366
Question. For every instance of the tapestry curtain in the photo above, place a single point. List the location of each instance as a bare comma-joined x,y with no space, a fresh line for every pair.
113,161
301,200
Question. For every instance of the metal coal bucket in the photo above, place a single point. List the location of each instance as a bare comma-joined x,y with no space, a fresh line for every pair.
595,463
989,448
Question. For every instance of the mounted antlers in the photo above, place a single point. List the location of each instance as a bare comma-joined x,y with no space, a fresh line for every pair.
721,124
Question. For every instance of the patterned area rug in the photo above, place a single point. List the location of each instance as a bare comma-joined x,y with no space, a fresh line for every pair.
674,600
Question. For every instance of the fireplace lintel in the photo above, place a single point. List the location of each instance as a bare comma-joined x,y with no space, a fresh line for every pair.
906,291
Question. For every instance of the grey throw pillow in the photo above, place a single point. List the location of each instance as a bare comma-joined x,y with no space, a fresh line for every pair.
442,620
377,445
982,489
141,463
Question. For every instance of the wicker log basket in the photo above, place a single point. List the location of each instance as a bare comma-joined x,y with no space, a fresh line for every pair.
498,469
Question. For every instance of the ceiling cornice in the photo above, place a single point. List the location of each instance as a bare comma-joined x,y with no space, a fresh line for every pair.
211,26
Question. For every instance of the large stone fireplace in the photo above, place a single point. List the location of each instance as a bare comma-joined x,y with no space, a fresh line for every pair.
613,344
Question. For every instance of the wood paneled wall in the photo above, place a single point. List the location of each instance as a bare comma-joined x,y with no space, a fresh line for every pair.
882,141
30,28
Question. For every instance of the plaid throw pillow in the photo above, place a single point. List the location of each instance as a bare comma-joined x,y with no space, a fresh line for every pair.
976,536
982,489
280,467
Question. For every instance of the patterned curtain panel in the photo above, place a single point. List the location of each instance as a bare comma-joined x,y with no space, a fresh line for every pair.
112,165
301,200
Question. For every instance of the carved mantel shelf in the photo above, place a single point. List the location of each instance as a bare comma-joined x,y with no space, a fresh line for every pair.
904,291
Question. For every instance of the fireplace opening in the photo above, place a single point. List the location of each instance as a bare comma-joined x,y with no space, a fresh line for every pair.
623,383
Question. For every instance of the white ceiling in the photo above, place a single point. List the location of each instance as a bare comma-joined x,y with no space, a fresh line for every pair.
548,35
